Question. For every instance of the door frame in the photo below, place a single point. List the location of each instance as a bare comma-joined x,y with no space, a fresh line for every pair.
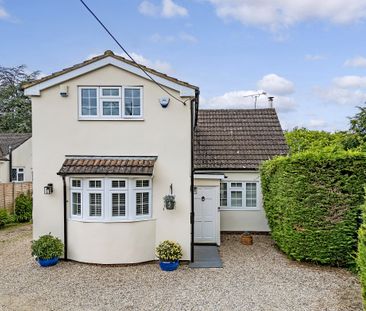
216,200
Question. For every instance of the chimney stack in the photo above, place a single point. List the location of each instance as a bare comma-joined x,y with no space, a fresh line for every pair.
270,101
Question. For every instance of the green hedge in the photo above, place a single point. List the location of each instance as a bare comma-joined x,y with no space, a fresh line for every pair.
361,254
23,207
312,204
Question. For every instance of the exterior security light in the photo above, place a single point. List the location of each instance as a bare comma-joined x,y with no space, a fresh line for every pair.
48,189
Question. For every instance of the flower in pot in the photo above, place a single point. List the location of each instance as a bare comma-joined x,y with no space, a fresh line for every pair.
169,253
169,201
47,250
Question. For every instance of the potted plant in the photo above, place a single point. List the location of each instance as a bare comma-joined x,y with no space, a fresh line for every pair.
47,250
169,253
169,201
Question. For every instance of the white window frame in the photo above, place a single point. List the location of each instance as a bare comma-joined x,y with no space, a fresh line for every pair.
106,191
244,207
120,99
18,168
141,102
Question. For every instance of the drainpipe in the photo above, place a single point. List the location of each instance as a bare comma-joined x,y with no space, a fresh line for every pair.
194,112
65,217
10,164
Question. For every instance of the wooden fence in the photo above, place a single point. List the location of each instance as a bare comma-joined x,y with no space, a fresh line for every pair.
10,191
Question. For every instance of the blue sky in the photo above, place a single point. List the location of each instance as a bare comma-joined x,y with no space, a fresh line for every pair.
310,56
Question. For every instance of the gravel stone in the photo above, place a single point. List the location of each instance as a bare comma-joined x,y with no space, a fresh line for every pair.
254,278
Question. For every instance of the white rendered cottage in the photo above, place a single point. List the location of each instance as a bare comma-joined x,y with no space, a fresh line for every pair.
108,145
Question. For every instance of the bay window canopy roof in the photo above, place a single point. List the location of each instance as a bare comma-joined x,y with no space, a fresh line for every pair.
108,165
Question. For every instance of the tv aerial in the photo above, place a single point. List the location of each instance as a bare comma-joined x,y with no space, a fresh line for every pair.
256,96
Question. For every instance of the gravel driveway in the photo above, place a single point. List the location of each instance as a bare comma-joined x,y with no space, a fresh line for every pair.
254,278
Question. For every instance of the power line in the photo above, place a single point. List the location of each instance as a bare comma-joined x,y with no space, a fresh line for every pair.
132,59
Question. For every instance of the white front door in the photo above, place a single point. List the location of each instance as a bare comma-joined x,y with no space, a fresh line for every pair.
206,215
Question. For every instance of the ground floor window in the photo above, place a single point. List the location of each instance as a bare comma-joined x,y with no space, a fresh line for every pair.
17,174
238,195
110,199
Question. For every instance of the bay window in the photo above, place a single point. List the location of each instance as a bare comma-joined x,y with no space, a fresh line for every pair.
238,195
110,199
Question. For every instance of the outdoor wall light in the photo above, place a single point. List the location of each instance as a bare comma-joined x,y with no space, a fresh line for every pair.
48,189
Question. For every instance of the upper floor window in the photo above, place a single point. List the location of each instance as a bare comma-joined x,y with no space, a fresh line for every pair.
110,102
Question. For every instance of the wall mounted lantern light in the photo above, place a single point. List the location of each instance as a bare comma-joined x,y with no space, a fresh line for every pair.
48,189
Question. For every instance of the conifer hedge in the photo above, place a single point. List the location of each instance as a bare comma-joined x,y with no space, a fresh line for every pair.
312,202
361,254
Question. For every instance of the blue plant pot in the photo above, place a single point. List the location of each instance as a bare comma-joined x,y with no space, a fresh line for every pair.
169,265
47,262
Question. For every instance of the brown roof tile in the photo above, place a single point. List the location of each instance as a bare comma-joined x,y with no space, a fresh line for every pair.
107,53
237,138
74,165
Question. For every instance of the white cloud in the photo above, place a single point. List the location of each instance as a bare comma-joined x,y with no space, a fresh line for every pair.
275,84
341,96
171,9
167,9
350,82
314,58
275,14
148,8
158,65
317,123
242,100
184,37
357,61
3,13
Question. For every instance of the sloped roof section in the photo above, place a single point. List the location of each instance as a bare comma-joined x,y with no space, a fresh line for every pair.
13,140
81,165
106,54
237,139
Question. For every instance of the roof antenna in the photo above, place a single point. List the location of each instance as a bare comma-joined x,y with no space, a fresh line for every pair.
270,101
256,96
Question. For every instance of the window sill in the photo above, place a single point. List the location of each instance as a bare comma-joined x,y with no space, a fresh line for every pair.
240,209
111,119
111,220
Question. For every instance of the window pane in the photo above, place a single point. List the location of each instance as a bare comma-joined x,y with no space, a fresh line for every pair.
76,203
142,183
236,199
132,102
142,203
95,204
21,177
76,183
110,108
95,184
236,185
118,204
110,92
223,194
89,102
118,183
251,194
14,174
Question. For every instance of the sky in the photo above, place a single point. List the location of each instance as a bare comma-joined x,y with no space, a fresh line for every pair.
309,54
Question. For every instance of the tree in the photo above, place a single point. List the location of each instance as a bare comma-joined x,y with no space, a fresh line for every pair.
15,107
358,124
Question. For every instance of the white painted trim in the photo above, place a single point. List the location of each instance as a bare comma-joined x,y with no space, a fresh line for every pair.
208,176
35,90
244,193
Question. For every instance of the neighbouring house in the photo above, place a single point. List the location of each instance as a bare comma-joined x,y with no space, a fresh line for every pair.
15,157
109,144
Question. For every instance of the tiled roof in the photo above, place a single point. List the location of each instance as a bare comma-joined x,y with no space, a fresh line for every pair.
237,138
107,53
11,139
74,165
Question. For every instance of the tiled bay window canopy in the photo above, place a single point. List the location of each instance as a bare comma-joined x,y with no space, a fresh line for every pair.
108,165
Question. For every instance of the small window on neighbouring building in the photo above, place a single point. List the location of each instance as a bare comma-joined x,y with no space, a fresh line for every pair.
251,195
223,194
17,174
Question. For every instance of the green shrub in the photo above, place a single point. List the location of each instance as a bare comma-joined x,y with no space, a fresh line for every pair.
4,217
23,207
47,247
361,254
312,204
169,251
